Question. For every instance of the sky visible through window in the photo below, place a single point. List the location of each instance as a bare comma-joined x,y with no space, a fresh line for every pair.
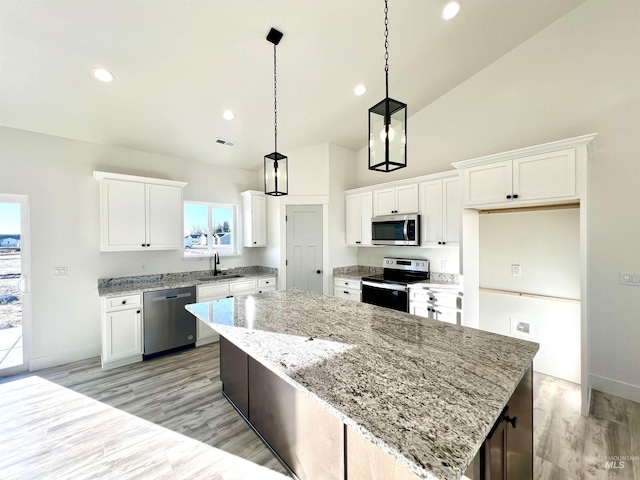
196,216
9,218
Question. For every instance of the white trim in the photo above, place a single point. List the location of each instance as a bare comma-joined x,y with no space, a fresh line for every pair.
615,387
588,140
62,358
133,178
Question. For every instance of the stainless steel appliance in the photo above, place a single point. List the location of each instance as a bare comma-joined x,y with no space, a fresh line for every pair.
168,327
391,289
396,230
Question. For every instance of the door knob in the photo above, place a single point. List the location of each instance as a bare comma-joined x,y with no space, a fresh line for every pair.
318,271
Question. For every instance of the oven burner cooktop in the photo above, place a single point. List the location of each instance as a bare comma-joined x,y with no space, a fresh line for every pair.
406,280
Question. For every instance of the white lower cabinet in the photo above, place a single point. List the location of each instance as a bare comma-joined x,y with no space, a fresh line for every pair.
216,291
122,341
444,305
347,288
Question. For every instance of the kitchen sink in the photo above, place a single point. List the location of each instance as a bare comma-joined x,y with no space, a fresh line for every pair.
222,276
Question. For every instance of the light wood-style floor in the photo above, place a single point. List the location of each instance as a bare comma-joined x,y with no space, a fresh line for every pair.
195,433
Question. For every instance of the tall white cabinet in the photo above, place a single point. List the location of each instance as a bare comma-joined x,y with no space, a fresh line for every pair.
358,217
139,213
254,213
441,211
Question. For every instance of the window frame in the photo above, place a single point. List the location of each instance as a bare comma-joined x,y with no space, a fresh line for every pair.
189,254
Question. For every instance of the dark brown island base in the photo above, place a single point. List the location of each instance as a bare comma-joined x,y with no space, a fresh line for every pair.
344,390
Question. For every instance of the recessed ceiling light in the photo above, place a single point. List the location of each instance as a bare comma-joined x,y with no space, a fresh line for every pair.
228,115
103,75
450,10
360,90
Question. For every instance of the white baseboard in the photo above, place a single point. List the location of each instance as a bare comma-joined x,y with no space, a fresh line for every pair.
615,387
63,357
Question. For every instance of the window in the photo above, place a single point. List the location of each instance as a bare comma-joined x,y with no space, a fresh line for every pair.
209,228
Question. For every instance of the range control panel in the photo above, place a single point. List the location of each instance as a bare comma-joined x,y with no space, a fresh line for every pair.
419,265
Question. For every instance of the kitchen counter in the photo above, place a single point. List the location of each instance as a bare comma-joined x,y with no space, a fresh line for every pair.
356,272
425,392
145,283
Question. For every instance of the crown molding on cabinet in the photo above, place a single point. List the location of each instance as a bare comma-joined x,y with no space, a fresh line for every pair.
583,140
133,178
395,183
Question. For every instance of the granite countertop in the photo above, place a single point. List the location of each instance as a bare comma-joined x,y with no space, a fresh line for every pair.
356,272
146,283
426,392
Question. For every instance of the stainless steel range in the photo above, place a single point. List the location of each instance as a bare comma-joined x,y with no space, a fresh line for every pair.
391,289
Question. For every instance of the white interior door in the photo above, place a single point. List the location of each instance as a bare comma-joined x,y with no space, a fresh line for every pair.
304,247
14,284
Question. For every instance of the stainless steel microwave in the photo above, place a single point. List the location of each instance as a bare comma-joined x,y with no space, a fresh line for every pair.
396,230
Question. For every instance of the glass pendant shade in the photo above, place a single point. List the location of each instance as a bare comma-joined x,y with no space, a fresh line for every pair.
276,174
388,136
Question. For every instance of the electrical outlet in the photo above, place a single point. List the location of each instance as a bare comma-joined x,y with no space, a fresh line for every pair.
443,265
515,270
520,327
143,266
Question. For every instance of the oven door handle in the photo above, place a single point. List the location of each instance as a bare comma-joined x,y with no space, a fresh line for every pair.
385,286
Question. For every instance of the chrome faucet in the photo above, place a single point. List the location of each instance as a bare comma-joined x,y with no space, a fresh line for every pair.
216,262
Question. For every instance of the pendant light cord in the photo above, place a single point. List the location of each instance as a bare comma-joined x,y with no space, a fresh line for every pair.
275,105
386,47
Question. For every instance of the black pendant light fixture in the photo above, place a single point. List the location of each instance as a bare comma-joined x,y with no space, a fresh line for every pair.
276,170
387,123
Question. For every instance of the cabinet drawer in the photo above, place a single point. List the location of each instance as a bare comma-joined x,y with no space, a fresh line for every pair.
124,301
346,283
347,293
243,286
214,290
267,282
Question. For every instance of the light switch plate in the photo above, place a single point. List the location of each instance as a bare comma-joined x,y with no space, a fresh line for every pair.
59,272
632,279
515,270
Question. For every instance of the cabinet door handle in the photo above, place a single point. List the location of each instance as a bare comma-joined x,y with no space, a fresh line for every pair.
255,243
508,197
143,245
511,420
346,292
357,241
124,302
318,271
515,195
148,244
138,311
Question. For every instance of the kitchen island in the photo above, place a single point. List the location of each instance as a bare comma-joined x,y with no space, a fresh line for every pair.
343,389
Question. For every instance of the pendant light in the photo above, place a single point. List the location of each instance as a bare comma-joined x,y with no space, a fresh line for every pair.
276,178
387,123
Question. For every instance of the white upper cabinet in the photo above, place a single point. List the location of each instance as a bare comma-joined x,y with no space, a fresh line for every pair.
358,218
391,200
440,212
254,210
546,177
139,213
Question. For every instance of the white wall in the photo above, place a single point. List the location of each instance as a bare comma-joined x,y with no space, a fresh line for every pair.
56,174
580,75
317,175
544,243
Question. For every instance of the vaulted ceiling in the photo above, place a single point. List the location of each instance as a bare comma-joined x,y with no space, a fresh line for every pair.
180,63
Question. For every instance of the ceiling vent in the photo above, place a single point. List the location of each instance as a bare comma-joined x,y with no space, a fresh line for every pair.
227,143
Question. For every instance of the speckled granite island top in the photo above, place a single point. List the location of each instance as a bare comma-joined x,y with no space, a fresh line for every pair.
424,391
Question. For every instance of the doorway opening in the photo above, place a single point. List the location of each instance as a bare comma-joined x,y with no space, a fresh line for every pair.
14,296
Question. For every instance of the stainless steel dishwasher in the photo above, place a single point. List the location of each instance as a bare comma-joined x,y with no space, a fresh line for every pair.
168,327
